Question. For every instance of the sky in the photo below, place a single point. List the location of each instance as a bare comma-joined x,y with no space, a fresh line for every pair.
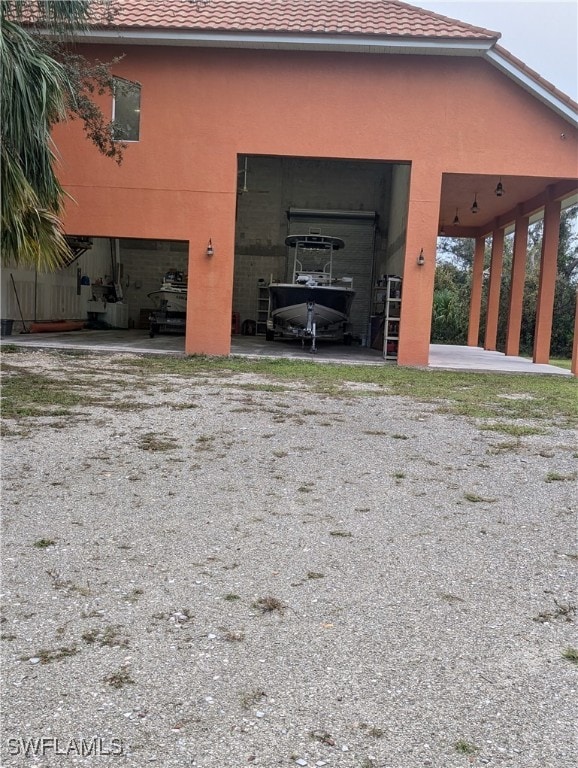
542,33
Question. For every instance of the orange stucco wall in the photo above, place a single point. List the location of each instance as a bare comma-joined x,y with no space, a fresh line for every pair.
202,107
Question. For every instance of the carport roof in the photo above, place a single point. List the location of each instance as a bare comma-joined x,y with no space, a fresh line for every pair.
385,18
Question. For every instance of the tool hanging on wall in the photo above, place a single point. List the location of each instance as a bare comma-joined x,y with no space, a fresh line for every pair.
25,329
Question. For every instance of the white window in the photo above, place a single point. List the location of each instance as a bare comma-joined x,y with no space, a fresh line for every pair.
126,110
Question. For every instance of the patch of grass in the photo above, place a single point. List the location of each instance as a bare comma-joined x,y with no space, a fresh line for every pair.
561,362
550,398
231,597
553,477
44,543
269,604
400,437
315,575
516,430
465,747
570,654
26,394
342,534
399,475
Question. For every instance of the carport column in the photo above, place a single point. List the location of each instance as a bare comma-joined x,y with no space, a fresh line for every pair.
517,285
476,292
548,269
210,277
574,368
418,279
494,289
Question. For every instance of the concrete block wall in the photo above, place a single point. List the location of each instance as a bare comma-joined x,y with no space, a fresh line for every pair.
144,264
249,269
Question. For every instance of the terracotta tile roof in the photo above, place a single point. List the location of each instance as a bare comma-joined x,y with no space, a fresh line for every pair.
536,77
384,18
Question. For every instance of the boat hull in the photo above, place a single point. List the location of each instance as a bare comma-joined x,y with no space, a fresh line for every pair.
289,306
170,301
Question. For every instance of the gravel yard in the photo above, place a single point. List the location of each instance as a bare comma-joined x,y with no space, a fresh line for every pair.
223,569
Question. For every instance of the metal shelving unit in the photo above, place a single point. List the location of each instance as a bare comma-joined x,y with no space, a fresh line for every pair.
392,312
262,308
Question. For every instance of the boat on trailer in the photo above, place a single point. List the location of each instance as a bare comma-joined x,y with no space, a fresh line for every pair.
170,301
315,305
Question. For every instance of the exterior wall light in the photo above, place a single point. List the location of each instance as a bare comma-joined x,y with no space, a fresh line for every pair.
210,250
421,259
456,220
500,188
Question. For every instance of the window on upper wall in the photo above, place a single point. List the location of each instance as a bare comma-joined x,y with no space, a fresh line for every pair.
126,110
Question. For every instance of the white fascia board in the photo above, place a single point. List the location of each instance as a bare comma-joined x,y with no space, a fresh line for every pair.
351,43
532,86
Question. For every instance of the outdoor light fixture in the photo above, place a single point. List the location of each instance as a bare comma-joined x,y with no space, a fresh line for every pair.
421,259
456,218
474,208
210,250
500,188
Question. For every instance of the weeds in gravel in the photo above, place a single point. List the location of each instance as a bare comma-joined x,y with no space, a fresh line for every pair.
342,534
315,575
400,437
269,604
561,611
110,637
152,442
399,475
44,543
66,584
570,654
475,498
323,737
232,636
231,597
465,747
119,679
250,698
45,656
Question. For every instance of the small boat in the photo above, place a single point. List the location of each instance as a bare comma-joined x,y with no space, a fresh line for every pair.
315,304
170,300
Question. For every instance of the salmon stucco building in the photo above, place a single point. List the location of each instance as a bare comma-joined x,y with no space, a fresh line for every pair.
373,120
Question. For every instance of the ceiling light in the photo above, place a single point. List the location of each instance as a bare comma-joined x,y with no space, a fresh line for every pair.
500,188
474,208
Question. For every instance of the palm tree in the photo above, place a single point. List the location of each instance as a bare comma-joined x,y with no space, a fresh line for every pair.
37,90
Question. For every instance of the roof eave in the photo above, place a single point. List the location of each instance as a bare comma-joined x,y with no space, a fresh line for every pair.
281,41
530,84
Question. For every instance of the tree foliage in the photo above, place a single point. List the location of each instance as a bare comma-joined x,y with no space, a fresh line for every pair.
42,82
453,287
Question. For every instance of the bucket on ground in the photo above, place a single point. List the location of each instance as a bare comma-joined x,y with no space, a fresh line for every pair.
6,327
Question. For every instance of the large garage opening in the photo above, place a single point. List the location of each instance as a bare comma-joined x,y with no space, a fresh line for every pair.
362,203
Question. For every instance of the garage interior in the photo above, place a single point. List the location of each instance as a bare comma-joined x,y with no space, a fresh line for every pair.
362,202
